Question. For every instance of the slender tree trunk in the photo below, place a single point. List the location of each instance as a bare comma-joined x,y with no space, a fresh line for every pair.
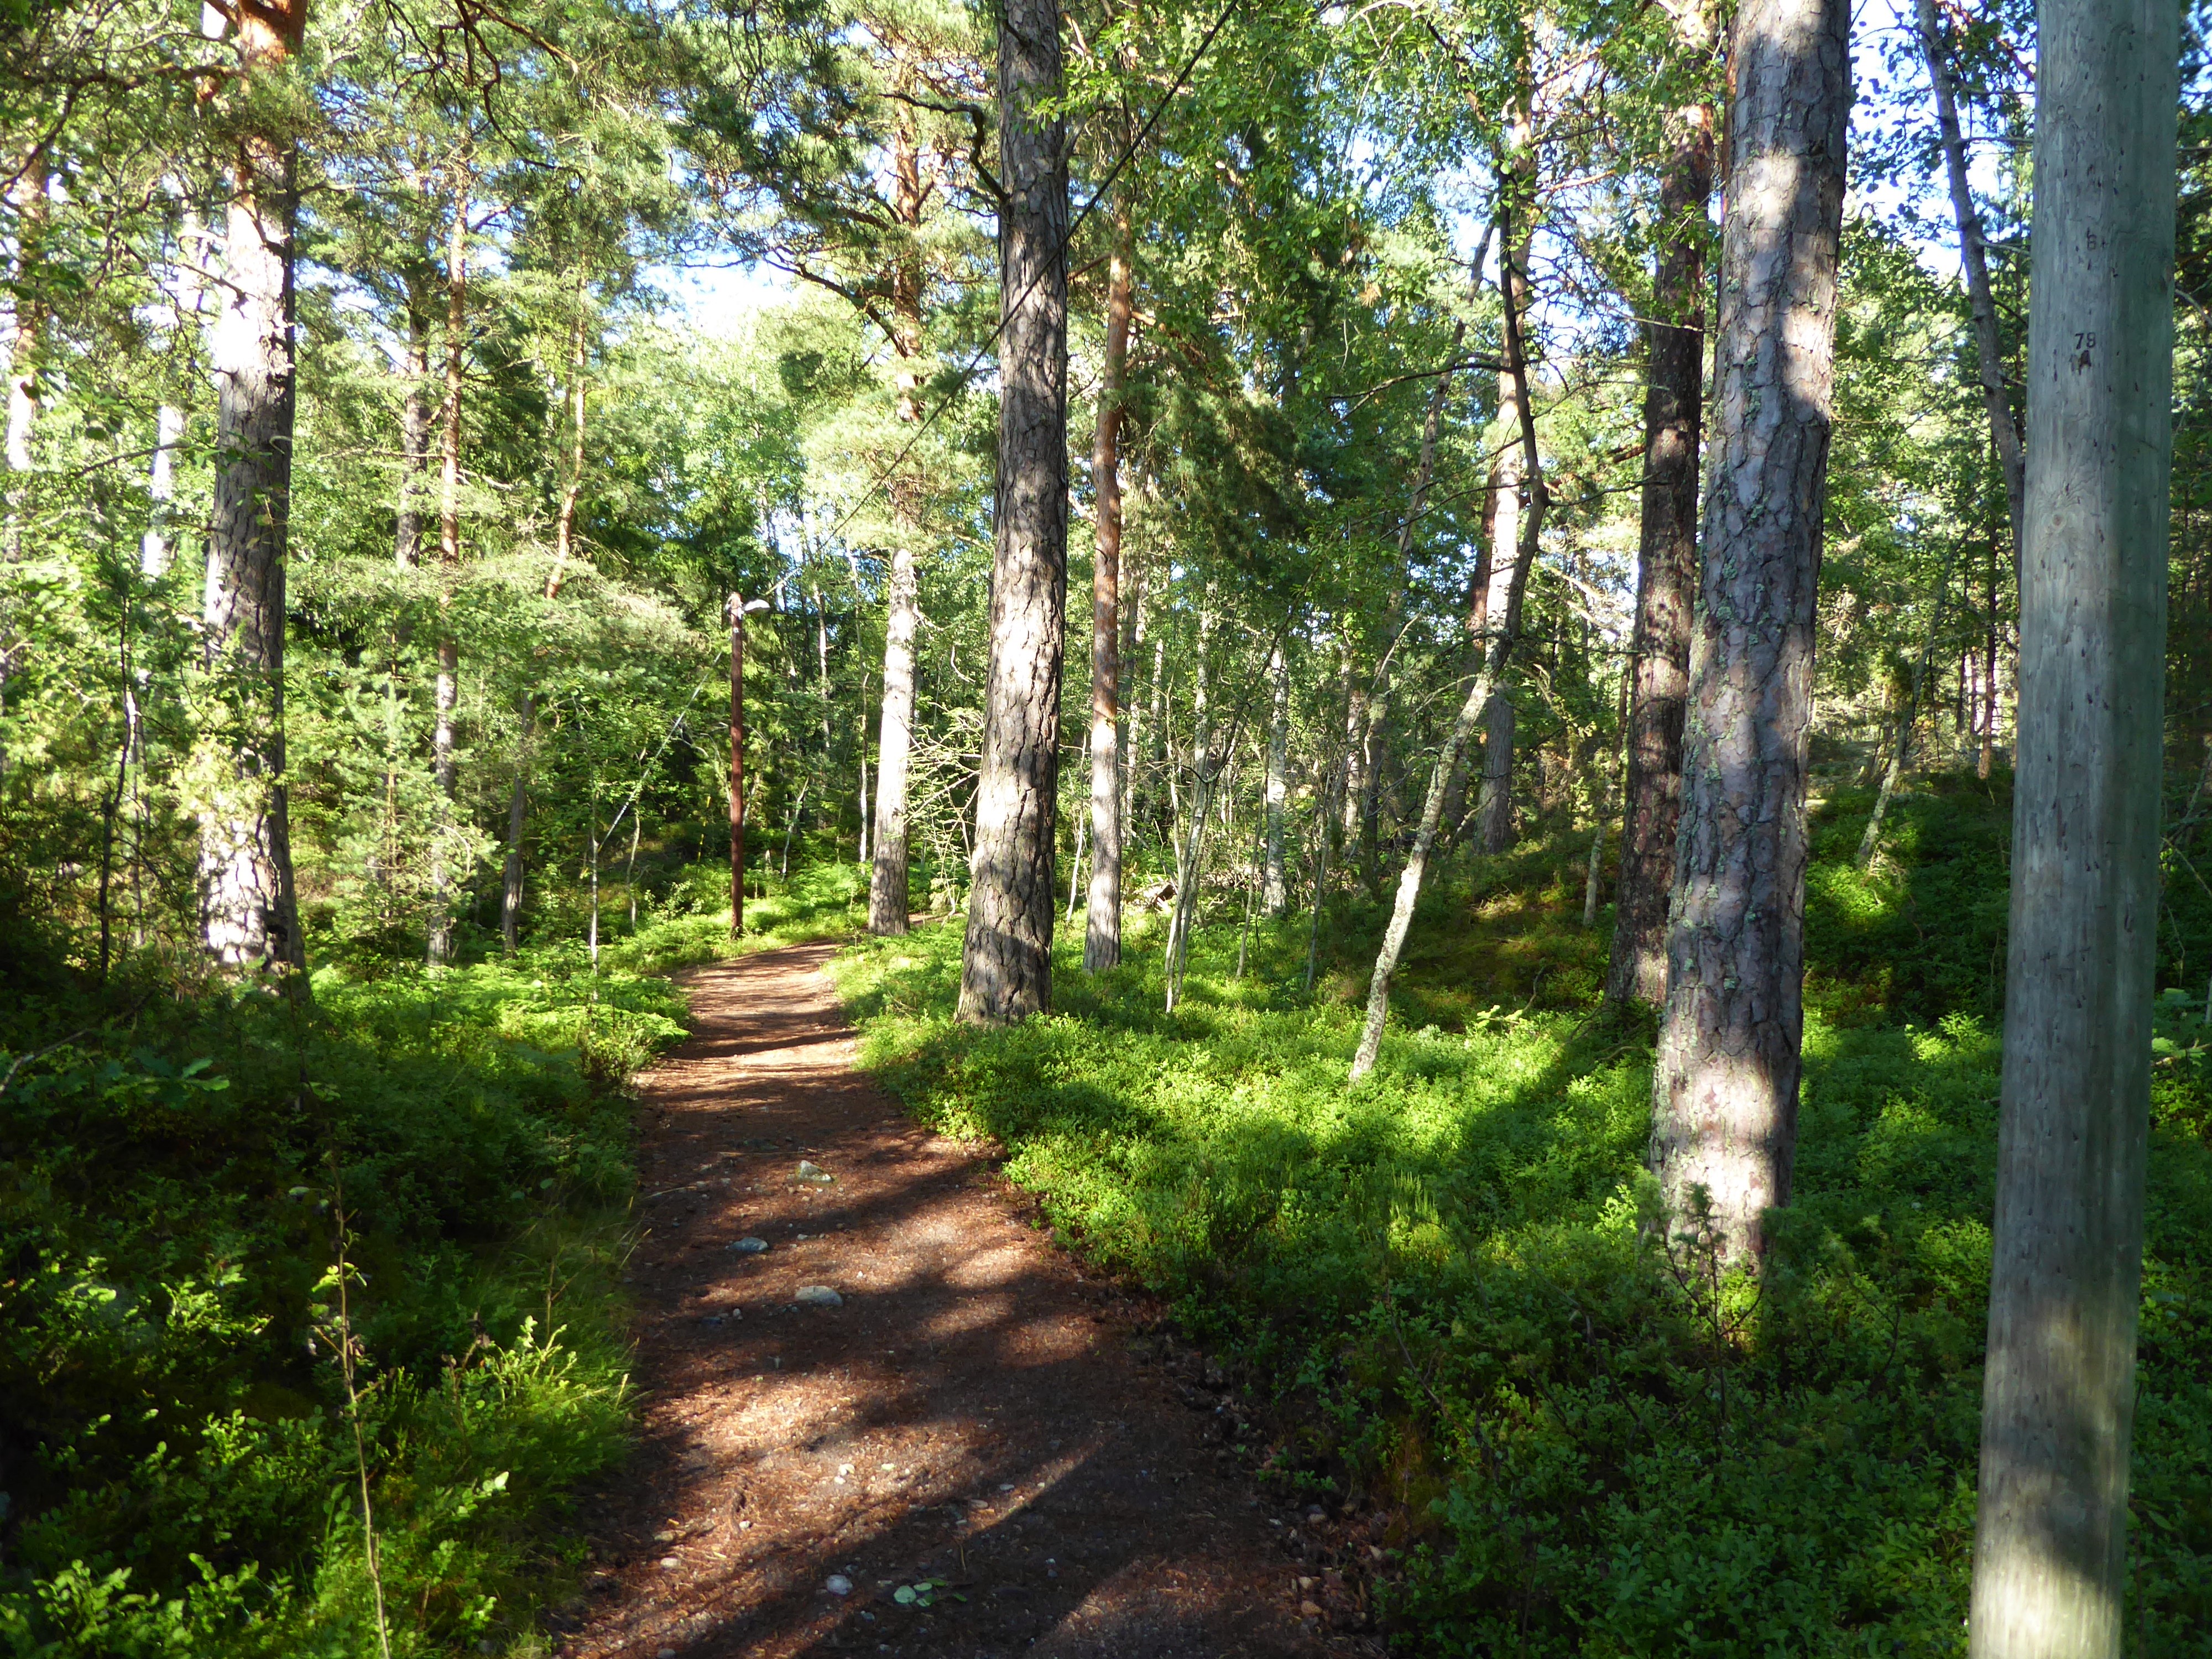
443,759
1381,745
253,918
1356,758
1989,666
1724,1105
1101,926
1190,845
1495,662
887,881
1497,659
1908,718
1006,967
1515,462
414,431
564,520
155,551
2058,1388
517,808
1666,552
736,614
1989,353
1275,893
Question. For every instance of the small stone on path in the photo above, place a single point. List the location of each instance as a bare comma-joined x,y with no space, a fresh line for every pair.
818,1296
751,1247
838,1584
813,1174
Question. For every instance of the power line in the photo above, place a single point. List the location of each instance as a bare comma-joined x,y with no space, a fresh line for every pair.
1060,257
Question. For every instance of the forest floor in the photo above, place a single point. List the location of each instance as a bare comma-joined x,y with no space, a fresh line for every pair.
988,1450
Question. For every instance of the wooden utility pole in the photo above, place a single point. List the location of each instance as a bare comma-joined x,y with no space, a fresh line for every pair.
2073,1125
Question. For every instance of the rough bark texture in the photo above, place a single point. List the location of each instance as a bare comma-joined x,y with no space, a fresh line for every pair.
1275,890
1493,805
1005,965
2058,1391
1724,1104
1101,926
1666,554
887,877
246,852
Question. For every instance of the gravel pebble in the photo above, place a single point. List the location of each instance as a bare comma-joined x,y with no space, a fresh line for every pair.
838,1584
818,1296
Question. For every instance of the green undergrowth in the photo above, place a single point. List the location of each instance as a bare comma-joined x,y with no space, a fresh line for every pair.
176,1452
1444,1276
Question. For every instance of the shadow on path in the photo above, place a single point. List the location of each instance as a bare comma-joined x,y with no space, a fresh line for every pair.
976,1415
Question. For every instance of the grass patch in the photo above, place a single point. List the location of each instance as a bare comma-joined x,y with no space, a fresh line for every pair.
1442,1277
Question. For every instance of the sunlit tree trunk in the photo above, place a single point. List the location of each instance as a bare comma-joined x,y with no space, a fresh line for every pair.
1667,550
2058,1385
253,921
1102,933
571,485
1274,887
1509,472
887,880
1005,965
1724,1106
447,694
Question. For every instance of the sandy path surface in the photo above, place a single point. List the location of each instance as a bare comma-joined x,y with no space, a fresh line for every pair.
976,1416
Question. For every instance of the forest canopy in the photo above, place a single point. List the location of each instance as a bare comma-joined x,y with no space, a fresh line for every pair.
500,503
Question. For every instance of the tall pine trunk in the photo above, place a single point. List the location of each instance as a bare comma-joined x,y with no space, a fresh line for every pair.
1102,927
887,878
1724,1106
1667,551
443,759
253,919
2058,1386
1006,966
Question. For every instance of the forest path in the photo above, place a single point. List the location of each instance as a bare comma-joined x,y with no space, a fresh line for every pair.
978,1414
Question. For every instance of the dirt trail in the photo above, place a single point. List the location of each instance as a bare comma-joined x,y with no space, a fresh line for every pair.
977,1413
